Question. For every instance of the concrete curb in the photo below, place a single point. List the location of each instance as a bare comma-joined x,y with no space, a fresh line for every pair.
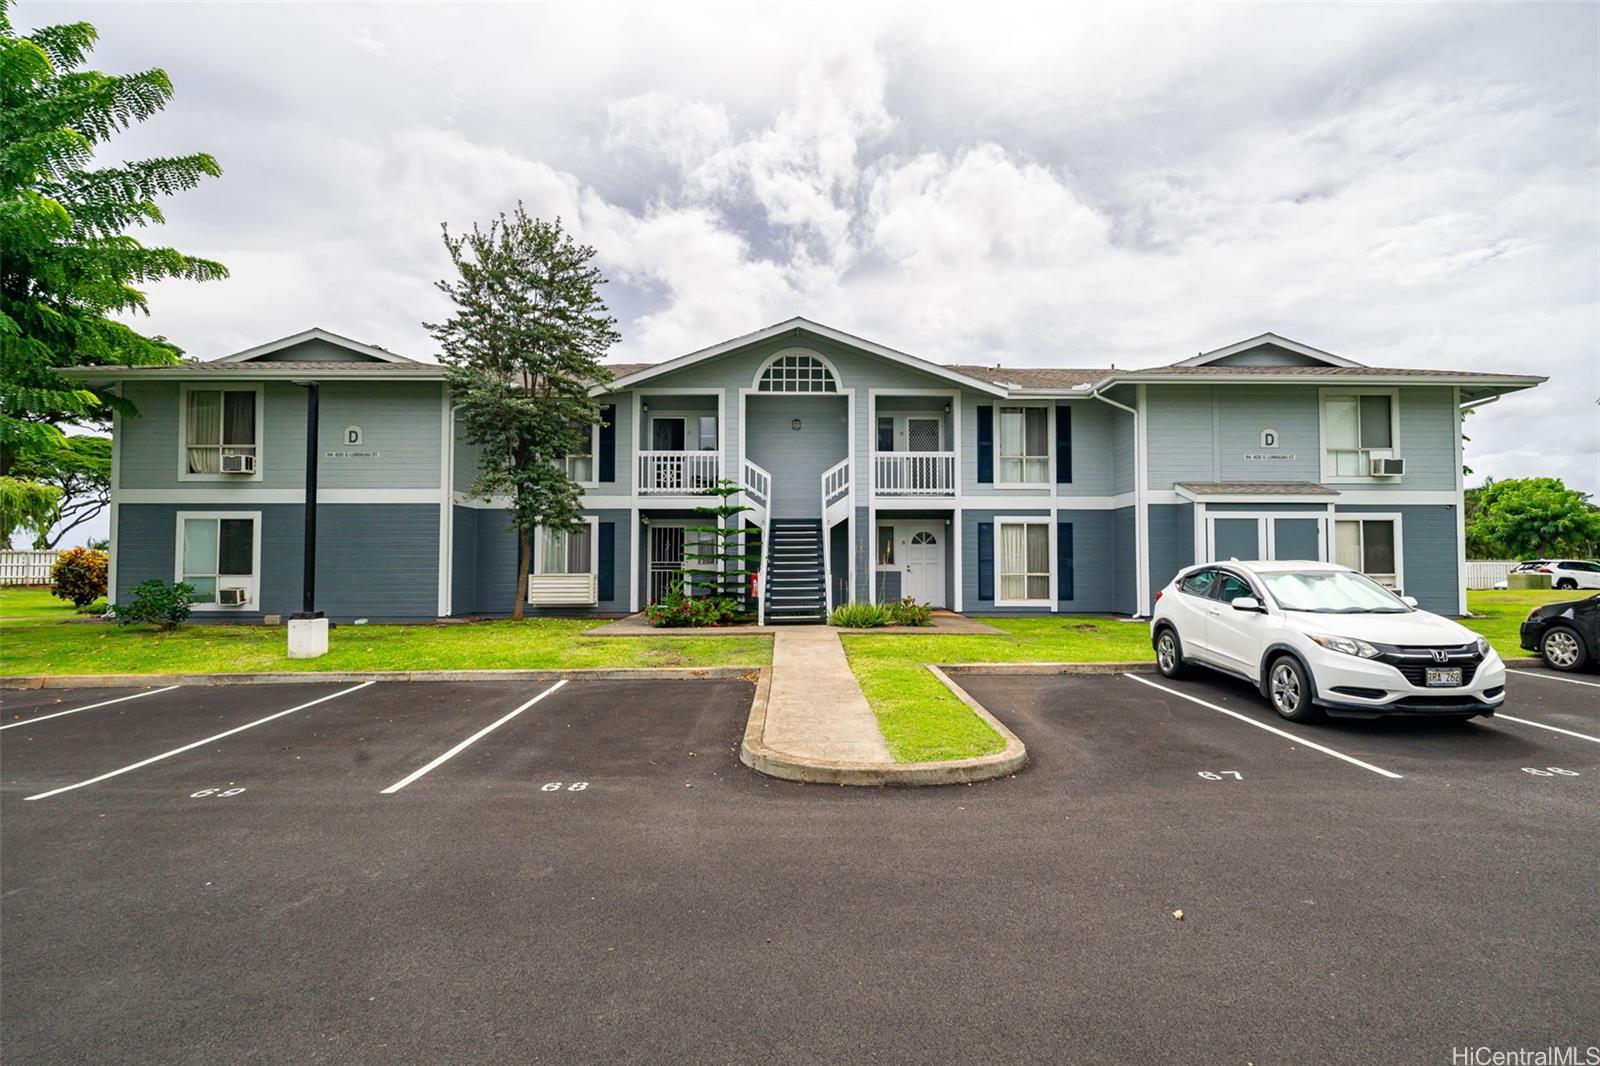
1139,667
643,673
755,753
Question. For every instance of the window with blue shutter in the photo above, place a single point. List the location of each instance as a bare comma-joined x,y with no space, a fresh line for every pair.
608,442
1063,444
1064,561
986,560
986,451
606,562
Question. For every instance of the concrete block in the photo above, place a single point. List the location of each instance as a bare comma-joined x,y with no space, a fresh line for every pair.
308,638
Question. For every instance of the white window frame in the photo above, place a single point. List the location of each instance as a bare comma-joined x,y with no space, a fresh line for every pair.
252,604
1328,465
594,459
1376,516
1049,522
806,353
1049,447
594,549
184,389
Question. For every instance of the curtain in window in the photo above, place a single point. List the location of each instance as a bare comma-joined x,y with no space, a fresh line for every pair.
564,553
1038,562
1013,562
1010,444
205,432
200,556
239,421
578,550
1347,544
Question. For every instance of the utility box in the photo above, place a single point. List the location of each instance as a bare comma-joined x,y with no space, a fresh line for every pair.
1528,579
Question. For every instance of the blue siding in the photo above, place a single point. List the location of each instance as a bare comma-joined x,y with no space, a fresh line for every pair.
496,566
1171,542
464,564
1124,525
1428,544
377,561
796,459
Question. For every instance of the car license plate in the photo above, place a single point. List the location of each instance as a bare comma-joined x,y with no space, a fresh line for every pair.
1443,676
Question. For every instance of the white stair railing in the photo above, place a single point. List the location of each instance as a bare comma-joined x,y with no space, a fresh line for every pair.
757,485
835,508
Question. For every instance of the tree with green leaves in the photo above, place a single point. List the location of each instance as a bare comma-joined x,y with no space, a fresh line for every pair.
80,467
1531,518
68,263
724,555
522,349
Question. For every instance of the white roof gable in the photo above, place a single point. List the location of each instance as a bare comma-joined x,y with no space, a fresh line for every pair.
366,351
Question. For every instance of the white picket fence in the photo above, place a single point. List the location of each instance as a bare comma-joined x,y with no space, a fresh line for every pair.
1486,573
26,567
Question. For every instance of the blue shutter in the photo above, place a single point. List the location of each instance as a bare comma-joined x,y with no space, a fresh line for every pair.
608,442
606,580
1063,444
986,558
986,450
1064,560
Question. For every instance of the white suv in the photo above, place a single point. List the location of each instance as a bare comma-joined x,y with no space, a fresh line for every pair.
1318,637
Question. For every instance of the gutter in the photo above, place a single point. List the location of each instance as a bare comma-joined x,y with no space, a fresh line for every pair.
1141,532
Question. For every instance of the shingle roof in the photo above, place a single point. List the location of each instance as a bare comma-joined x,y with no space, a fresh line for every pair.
221,367
1257,488
1035,377
1179,371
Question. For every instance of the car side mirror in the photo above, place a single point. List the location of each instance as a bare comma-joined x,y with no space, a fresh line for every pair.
1409,601
1248,603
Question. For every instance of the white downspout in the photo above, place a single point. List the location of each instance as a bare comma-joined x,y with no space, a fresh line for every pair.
1141,520
1461,497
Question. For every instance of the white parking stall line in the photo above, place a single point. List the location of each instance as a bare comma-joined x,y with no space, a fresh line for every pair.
200,743
1269,728
92,706
1552,677
1498,717
465,744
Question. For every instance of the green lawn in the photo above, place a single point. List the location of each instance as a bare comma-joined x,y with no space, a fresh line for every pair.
1502,613
922,720
31,642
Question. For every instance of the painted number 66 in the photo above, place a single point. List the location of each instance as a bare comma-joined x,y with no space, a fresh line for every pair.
555,786
1549,771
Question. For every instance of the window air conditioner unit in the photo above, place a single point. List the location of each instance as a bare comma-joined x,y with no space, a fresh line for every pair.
231,597
238,464
1388,467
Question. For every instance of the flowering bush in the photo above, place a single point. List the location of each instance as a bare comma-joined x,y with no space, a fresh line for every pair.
79,575
678,610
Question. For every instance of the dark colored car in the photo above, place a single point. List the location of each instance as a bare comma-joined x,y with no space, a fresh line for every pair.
1566,635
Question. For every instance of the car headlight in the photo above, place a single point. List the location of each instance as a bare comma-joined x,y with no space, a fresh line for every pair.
1483,645
1348,645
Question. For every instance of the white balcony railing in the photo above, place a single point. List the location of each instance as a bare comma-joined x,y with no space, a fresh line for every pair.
678,473
914,473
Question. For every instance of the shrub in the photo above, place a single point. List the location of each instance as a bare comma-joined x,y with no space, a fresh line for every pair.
679,610
908,612
160,603
79,575
97,607
859,616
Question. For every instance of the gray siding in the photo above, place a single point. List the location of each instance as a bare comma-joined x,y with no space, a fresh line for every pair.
496,565
1171,542
315,350
400,420
796,459
1428,543
377,561
464,561
1125,558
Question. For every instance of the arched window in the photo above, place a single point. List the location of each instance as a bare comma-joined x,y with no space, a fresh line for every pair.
924,538
797,373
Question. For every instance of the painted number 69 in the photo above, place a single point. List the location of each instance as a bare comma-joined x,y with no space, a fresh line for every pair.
556,786
215,792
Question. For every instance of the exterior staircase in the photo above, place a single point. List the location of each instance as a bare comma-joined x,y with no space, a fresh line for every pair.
793,585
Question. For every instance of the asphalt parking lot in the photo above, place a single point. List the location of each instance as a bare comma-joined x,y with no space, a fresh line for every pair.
498,871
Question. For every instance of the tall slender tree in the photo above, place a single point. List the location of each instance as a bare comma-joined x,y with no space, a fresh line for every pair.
523,348
67,262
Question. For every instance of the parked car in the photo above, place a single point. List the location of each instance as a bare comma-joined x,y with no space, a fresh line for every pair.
1566,635
1564,573
1320,638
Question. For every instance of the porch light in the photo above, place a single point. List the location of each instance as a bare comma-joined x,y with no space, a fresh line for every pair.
794,424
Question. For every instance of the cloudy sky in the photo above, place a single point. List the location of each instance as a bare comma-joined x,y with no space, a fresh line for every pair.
1405,185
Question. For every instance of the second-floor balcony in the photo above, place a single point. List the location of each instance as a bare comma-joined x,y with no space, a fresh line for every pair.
675,473
914,473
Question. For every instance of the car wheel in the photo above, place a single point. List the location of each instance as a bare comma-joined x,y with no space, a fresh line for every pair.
1567,583
1169,654
1562,648
1288,690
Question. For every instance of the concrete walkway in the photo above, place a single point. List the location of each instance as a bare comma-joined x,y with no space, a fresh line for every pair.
816,709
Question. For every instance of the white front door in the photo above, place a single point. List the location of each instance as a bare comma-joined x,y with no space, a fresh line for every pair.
921,546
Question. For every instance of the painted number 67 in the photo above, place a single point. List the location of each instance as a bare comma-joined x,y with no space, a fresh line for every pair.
1209,776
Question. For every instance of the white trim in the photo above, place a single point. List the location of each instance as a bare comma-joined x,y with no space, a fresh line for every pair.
1049,522
1395,449
1369,497
446,510
221,388
257,496
1375,516
1461,511
1141,516
319,334
254,603
957,533
115,499
798,352
1047,486
633,560
825,332
1207,358
593,522
1266,532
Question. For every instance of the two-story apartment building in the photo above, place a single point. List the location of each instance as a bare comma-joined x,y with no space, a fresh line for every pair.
869,474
